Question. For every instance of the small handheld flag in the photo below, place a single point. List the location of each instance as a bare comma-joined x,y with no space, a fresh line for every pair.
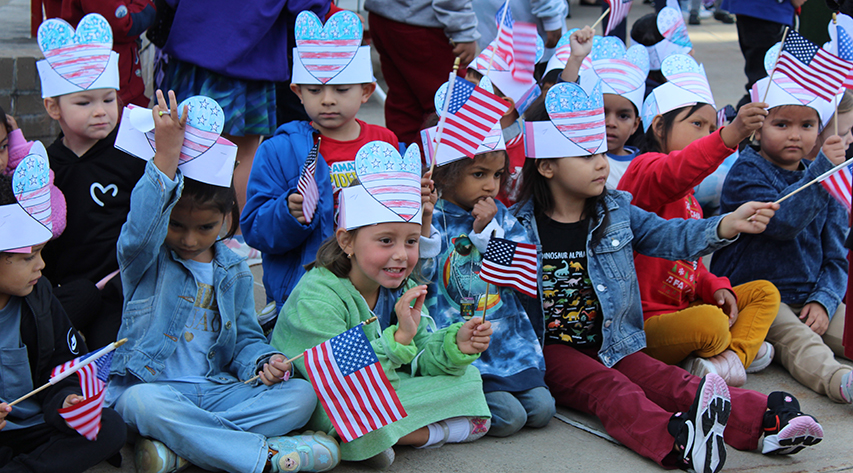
815,69
510,264
471,114
618,11
839,184
85,416
307,185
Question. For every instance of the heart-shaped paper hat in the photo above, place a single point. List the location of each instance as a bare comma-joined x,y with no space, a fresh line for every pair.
621,72
388,189
686,84
784,91
27,223
76,60
205,155
670,23
841,37
331,53
576,125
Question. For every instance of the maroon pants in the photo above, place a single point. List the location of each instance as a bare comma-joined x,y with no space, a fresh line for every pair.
636,398
416,60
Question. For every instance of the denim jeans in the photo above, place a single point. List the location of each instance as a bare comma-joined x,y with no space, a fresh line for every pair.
512,411
218,426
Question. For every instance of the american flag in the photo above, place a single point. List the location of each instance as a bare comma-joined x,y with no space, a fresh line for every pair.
845,51
819,71
307,185
618,11
838,185
85,416
523,50
351,385
511,264
471,114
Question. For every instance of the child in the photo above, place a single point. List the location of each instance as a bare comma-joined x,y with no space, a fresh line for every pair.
808,236
365,271
466,216
36,337
273,219
95,177
192,334
842,120
688,310
595,363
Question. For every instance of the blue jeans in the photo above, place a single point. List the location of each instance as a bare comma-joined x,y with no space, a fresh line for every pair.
218,426
512,411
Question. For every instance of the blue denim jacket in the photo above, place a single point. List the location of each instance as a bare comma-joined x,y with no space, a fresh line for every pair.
610,263
159,293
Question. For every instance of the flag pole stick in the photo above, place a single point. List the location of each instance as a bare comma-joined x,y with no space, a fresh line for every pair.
485,303
65,374
601,18
835,96
773,71
366,322
818,179
440,128
498,35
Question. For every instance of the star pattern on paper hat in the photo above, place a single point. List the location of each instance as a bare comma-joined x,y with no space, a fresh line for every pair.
621,70
683,71
79,56
327,50
577,115
30,183
391,179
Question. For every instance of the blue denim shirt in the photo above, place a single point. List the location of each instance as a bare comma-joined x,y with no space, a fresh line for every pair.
159,292
610,263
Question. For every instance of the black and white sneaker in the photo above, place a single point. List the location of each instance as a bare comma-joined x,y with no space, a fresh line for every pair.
699,432
786,429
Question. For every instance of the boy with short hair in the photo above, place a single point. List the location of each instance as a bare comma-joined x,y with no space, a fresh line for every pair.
802,251
332,82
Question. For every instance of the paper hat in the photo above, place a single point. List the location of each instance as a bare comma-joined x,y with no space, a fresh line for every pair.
27,223
621,72
79,60
331,53
509,60
576,125
686,84
784,91
841,37
561,52
388,189
205,155
670,23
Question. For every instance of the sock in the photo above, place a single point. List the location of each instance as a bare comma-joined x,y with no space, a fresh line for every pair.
458,429
436,435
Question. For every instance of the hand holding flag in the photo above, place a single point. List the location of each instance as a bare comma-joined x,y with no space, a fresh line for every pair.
813,68
307,184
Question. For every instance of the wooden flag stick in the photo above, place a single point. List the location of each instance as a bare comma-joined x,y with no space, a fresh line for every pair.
498,35
366,322
65,374
772,71
440,128
601,18
485,303
818,179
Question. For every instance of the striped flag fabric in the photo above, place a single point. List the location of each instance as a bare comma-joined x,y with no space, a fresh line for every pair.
307,184
839,184
815,69
510,264
85,416
618,11
524,50
351,385
471,114
845,51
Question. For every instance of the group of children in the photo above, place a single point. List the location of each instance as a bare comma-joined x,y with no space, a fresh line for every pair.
622,296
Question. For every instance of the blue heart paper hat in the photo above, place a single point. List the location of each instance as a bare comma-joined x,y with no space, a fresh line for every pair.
841,37
205,155
331,53
686,84
784,91
27,223
76,60
575,126
670,23
621,72
494,140
562,51
388,189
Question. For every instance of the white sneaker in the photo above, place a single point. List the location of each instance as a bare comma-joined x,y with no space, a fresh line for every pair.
762,359
727,365
847,387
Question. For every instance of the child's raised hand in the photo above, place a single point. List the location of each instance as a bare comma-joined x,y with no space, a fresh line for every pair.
11,121
581,42
276,370
294,204
751,217
814,315
5,409
834,149
474,336
428,199
749,119
408,317
168,133
484,211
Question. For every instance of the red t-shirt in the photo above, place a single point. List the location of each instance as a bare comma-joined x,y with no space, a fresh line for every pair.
515,150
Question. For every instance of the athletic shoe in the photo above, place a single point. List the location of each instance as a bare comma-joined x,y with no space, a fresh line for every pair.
267,317
308,451
477,427
381,461
727,365
724,16
693,19
253,256
152,456
786,429
699,433
847,387
762,359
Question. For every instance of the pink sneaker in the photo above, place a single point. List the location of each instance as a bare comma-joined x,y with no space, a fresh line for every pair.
253,256
727,365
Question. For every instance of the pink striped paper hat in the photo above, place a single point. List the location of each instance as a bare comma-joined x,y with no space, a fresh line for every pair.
621,71
27,223
686,85
576,126
330,53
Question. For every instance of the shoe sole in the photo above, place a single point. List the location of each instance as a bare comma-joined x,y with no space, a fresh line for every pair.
801,432
713,409
759,364
148,458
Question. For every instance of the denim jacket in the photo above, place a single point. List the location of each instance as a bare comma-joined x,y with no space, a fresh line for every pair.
159,292
610,263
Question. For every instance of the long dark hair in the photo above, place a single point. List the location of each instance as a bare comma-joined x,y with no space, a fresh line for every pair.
650,142
224,199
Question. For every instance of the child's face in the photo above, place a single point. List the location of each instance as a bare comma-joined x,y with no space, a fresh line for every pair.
620,120
689,127
193,231
19,273
85,117
332,107
4,148
480,180
788,135
577,178
382,255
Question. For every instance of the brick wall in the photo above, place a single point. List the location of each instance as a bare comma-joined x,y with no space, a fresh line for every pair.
20,96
